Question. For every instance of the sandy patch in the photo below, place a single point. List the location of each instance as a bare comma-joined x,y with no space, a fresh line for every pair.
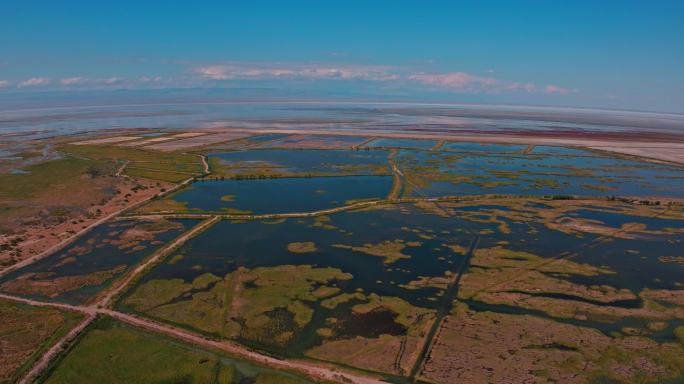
197,141
189,134
108,140
140,143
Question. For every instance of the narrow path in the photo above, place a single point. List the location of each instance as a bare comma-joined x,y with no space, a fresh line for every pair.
361,144
443,310
45,360
205,164
322,212
528,149
396,175
358,205
122,168
51,304
438,146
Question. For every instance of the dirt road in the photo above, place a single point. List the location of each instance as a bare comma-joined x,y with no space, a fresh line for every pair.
320,372
307,368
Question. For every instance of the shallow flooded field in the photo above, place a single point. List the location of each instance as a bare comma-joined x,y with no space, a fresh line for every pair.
281,195
277,162
563,172
590,292
401,143
310,286
315,141
483,147
562,258
81,270
342,287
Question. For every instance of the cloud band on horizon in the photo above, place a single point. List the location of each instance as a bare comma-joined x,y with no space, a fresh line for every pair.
458,81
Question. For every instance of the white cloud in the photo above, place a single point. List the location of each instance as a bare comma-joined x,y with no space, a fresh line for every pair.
553,89
73,80
145,79
464,82
112,80
34,82
284,71
4,83
213,72
453,81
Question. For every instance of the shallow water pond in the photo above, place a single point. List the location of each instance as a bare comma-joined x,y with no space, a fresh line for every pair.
282,195
301,162
401,143
88,265
562,173
367,271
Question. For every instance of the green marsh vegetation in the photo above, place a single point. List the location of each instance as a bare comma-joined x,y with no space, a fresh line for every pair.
263,304
111,352
164,166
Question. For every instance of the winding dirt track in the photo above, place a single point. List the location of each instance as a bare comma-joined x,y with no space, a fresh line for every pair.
205,164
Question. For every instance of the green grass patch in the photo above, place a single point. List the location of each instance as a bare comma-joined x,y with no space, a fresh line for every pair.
112,352
172,167
65,173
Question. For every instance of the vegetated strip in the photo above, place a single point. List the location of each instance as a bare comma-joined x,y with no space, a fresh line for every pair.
379,202
444,308
438,146
528,149
361,144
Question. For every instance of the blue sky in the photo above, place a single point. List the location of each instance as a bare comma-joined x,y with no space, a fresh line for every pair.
598,53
